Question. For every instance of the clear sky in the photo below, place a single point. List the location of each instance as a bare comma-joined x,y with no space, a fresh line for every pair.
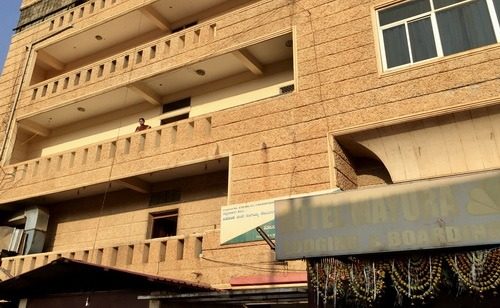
9,14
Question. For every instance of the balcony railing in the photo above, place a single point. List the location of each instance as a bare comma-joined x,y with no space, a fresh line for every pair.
84,10
144,256
160,49
162,139
206,39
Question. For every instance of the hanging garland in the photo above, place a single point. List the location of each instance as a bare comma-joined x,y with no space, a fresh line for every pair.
328,277
367,281
417,277
479,271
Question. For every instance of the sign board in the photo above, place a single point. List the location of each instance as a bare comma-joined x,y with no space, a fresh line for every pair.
238,222
448,212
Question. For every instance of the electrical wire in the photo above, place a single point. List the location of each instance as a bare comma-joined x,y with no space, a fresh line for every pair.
18,81
108,186
330,141
236,40
248,265
106,191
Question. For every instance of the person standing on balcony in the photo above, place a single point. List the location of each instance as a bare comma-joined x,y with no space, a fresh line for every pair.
141,126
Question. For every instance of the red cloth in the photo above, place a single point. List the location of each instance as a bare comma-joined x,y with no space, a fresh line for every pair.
142,127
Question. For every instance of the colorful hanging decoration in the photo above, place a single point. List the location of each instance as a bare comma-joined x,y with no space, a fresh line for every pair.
328,278
479,271
417,277
366,281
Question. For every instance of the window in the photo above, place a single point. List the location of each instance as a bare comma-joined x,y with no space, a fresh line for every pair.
417,30
166,196
176,111
163,224
182,103
185,26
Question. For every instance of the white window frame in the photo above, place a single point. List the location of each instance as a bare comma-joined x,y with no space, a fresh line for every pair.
437,39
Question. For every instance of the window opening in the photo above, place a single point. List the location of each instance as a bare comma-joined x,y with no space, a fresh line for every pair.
414,31
164,224
167,196
171,108
188,25
175,119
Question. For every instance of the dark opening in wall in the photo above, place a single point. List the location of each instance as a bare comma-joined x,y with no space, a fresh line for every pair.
287,89
185,102
167,196
185,26
164,224
174,106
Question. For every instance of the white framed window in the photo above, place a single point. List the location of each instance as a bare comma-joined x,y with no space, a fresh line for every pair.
416,30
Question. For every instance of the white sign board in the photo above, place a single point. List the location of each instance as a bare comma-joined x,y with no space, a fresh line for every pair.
238,222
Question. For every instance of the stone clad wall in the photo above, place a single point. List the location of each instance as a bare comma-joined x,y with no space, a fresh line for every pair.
279,146
356,92
38,11
123,216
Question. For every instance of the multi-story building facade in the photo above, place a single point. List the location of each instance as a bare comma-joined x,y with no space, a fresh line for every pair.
248,101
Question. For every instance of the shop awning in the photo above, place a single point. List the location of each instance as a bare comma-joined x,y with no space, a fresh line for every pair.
71,276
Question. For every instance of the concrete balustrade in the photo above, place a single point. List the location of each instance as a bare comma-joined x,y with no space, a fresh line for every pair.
158,50
162,139
148,254
84,10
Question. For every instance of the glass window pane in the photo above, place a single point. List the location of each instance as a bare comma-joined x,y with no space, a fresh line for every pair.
442,3
422,40
497,9
396,46
465,27
403,11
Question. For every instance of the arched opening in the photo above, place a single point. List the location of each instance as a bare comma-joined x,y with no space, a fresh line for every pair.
357,166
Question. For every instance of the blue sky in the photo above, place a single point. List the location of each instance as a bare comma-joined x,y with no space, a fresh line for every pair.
9,14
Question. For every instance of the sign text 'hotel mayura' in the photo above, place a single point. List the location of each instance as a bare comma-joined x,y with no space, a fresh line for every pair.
451,212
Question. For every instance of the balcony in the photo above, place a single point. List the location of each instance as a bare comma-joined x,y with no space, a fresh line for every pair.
98,29
116,65
84,117
143,256
142,43
155,75
83,11
82,109
109,159
149,218
196,257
